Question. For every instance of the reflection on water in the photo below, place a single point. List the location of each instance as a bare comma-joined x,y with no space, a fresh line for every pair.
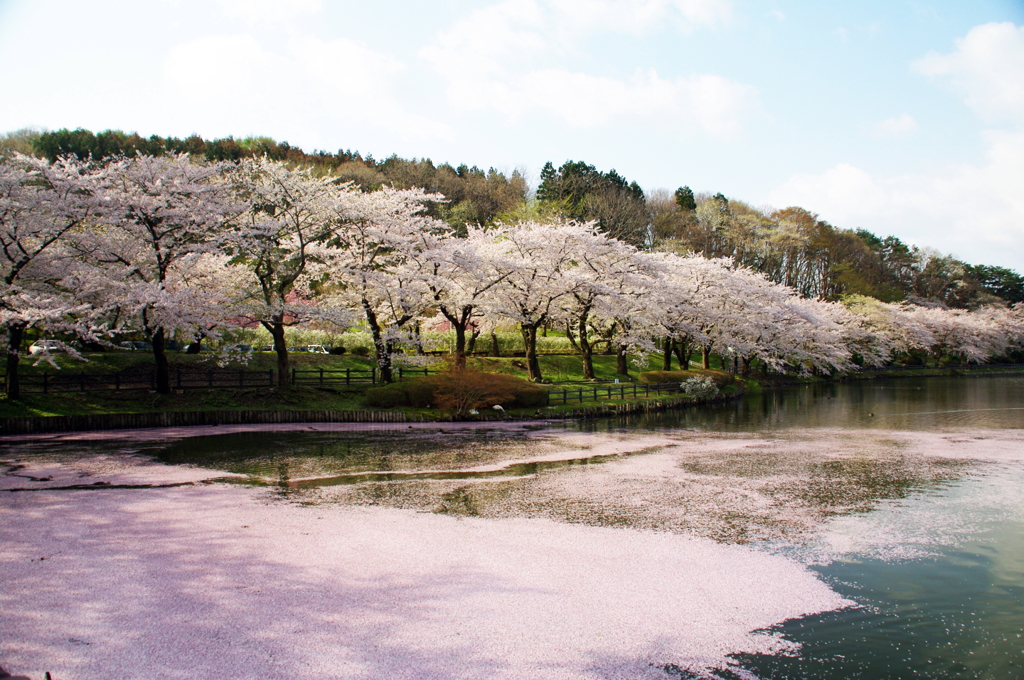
896,404
715,484
956,615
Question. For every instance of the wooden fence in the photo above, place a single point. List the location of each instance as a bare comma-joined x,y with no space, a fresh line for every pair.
46,383
332,378
349,376
123,421
620,391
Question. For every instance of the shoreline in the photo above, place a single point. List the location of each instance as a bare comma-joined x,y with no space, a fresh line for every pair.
49,427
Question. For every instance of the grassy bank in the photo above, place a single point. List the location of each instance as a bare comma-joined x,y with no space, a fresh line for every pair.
562,370
558,368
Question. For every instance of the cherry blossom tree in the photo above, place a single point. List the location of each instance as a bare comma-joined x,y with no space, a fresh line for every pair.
539,259
163,216
281,246
41,204
458,277
891,324
613,298
371,264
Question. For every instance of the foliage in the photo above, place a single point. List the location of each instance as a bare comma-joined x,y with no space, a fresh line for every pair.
169,248
470,195
700,386
457,391
588,194
719,378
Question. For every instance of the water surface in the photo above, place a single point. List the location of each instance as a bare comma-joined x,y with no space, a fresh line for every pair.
905,495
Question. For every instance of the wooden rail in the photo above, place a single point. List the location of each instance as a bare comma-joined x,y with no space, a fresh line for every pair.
46,383
620,391
123,421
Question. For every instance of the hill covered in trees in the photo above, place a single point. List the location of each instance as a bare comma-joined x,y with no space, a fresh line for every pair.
790,246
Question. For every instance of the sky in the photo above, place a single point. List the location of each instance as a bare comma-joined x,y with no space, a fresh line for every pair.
903,117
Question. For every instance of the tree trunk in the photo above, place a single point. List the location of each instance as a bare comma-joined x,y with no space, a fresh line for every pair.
571,336
495,347
530,341
621,365
12,381
460,323
471,343
382,349
419,342
682,350
586,350
666,364
460,345
276,328
163,370
705,357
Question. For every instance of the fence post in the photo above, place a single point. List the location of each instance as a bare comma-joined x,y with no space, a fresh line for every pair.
209,377
399,374
373,375
321,377
270,377
348,376
293,376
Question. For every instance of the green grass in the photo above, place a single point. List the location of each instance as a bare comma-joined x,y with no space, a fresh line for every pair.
141,401
557,368
110,362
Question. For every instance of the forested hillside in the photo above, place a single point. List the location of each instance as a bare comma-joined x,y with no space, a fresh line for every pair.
791,246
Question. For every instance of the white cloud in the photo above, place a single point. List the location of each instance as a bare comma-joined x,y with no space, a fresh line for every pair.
507,57
268,11
975,212
987,68
895,127
302,85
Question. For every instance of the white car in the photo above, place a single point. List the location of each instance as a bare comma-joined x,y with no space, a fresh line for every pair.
317,349
45,347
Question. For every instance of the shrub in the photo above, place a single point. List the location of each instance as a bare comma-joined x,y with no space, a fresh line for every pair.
338,349
457,391
700,386
721,378
361,351
387,396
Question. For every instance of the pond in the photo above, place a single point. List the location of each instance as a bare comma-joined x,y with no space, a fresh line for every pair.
903,496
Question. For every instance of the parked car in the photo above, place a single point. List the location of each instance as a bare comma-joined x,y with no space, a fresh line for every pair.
136,345
298,348
239,348
266,348
45,347
317,349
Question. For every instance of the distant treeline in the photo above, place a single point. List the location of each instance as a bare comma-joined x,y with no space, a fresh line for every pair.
791,246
